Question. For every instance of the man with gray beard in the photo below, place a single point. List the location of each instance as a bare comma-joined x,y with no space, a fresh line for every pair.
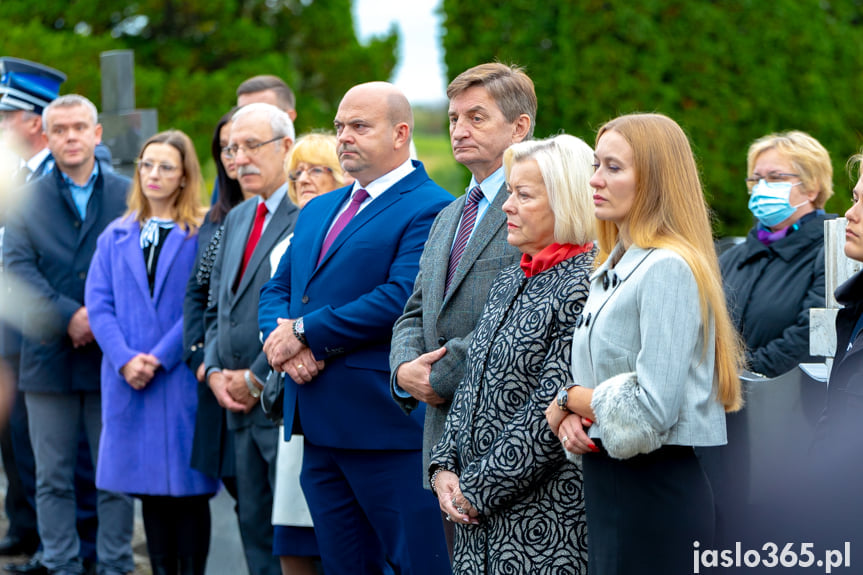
236,367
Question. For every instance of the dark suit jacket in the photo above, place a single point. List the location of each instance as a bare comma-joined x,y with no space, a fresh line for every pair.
349,304
431,320
10,337
232,340
47,246
212,445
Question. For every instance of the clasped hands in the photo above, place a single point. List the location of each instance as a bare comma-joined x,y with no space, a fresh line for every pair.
230,389
140,370
287,355
570,428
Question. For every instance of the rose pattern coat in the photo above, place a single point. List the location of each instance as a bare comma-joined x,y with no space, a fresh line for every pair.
510,466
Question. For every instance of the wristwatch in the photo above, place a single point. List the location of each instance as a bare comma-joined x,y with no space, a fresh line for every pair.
300,331
253,389
563,397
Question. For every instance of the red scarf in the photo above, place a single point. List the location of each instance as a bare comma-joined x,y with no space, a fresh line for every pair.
550,256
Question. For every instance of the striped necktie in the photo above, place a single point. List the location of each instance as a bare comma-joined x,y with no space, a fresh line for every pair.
468,220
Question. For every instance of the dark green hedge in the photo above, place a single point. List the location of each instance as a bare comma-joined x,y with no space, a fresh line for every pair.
191,55
727,71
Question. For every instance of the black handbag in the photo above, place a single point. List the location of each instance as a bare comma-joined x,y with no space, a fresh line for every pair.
273,397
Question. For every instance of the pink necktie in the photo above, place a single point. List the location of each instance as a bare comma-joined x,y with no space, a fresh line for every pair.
468,220
359,197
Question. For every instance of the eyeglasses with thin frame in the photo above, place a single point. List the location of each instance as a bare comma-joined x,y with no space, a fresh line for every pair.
251,149
770,178
146,166
314,172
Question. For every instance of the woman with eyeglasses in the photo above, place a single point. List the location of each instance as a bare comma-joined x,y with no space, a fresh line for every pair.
212,438
774,277
134,299
771,280
312,168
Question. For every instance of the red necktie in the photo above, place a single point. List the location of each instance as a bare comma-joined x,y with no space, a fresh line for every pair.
468,220
253,238
359,197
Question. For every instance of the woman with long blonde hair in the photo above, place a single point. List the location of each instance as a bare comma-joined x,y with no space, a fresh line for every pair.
655,358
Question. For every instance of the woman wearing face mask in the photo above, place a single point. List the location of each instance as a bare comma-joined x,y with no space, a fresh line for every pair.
774,277
770,281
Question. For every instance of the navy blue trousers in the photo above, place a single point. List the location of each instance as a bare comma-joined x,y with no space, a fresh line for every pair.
369,508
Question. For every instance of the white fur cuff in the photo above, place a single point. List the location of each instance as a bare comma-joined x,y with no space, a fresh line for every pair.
622,424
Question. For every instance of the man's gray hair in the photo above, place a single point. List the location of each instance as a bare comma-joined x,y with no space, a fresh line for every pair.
67,101
280,122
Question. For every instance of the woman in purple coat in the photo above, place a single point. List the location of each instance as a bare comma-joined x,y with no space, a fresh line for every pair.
134,297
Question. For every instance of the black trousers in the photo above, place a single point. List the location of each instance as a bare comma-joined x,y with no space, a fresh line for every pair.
178,531
645,513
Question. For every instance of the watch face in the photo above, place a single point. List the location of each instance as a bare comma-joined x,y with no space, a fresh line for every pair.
562,399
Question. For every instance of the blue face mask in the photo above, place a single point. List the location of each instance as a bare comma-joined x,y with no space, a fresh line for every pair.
769,202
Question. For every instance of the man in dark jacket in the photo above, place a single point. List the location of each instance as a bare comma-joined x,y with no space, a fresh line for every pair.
48,245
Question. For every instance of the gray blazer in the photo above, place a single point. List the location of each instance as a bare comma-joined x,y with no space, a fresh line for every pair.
232,340
639,344
431,320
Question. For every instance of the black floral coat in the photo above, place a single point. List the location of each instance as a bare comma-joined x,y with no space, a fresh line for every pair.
511,467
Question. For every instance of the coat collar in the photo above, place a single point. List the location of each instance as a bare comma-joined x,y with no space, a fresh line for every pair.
851,291
127,232
627,262
278,227
789,247
393,194
485,230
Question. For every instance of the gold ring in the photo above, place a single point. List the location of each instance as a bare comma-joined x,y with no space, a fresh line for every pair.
564,439
299,365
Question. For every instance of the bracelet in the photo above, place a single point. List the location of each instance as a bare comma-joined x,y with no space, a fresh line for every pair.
434,479
253,389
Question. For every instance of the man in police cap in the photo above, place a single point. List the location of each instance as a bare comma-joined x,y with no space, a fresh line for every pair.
25,89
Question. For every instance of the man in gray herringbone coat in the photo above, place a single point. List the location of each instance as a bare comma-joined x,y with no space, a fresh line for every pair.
491,107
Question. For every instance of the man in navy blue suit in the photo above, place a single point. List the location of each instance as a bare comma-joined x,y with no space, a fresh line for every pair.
338,290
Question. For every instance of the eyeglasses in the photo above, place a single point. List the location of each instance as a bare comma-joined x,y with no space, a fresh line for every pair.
146,166
314,172
770,178
251,149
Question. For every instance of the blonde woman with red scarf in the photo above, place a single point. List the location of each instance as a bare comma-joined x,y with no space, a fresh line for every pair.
498,471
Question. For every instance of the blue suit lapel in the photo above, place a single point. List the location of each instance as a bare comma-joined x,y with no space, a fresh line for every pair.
378,205
313,254
368,213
